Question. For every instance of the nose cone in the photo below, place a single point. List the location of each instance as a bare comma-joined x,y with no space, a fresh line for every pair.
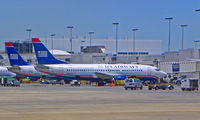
162,74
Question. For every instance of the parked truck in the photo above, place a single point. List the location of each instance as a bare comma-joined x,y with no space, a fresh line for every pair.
162,86
190,84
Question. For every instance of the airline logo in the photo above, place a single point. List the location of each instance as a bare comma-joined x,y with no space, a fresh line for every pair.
42,54
120,66
14,56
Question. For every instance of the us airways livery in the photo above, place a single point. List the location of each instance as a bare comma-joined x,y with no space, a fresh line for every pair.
50,65
21,67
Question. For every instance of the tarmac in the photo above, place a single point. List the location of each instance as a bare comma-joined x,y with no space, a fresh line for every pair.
57,102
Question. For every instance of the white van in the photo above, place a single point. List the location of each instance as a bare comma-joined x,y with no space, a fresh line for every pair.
133,83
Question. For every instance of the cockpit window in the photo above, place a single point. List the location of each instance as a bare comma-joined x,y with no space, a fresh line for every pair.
157,69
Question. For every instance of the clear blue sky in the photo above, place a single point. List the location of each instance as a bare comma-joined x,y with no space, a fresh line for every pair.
53,16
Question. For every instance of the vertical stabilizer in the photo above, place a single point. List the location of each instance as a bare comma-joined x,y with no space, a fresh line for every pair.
14,57
43,55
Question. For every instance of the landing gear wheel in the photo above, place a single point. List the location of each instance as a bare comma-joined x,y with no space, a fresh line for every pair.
141,88
150,88
156,88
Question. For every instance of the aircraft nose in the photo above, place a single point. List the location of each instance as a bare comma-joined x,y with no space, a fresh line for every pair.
162,74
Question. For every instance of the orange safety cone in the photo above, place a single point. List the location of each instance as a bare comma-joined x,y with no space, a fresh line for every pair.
111,84
115,83
97,84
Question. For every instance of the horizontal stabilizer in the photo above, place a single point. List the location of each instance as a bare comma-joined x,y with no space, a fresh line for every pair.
14,68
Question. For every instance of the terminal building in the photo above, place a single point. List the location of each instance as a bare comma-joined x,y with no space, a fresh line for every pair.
181,63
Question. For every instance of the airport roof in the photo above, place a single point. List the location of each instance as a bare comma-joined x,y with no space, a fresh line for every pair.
60,52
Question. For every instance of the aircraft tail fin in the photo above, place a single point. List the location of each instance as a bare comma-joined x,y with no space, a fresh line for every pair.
43,55
14,57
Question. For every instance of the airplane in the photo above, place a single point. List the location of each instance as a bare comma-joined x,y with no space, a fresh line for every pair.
21,67
5,74
48,64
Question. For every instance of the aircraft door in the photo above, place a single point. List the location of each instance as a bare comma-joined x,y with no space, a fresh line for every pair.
148,72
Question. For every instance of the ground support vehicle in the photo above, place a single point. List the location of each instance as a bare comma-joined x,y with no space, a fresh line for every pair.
45,82
162,86
75,83
10,82
133,84
14,83
190,84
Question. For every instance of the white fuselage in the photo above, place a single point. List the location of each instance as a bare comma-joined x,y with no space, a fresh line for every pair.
4,73
28,71
90,70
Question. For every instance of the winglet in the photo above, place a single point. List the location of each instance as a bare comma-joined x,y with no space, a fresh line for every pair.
8,44
36,40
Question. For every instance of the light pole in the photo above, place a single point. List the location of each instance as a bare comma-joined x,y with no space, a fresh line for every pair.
29,45
196,42
90,34
182,26
52,35
116,24
169,19
134,30
70,27
18,46
82,45
82,41
29,31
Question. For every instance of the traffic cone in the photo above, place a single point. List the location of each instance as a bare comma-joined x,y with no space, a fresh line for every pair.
111,84
114,83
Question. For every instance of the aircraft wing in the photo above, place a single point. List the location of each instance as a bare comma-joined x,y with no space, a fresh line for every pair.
41,67
105,75
14,68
